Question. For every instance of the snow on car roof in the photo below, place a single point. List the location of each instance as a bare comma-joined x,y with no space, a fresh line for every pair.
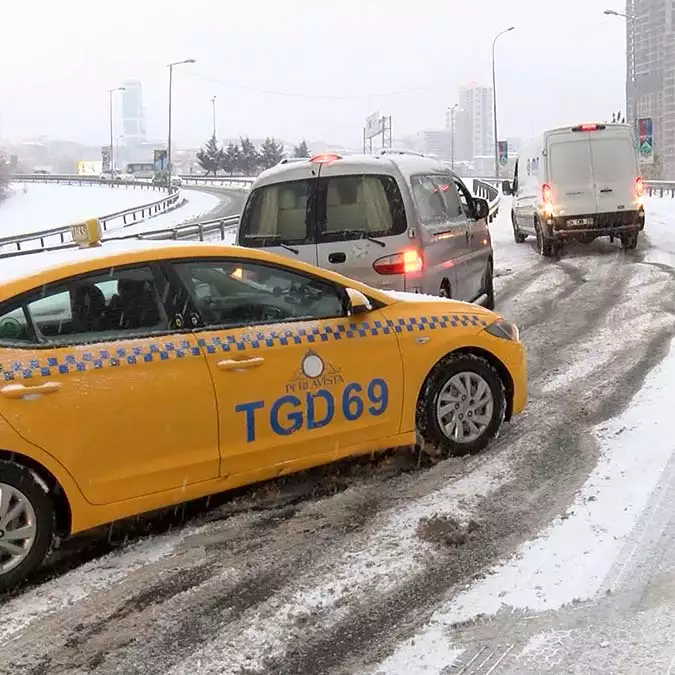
23,266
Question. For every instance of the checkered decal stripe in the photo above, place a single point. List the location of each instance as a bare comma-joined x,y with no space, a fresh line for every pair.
94,359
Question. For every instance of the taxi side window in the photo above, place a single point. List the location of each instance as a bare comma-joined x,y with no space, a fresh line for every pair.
231,293
99,307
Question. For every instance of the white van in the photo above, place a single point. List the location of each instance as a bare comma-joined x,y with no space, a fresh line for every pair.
578,183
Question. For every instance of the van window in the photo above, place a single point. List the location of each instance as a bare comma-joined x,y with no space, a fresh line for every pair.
368,204
613,160
570,162
280,213
436,198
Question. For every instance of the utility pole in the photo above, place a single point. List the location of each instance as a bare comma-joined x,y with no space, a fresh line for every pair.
494,97
213,102
168,153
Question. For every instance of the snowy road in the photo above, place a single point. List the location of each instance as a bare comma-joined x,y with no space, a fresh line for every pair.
552,552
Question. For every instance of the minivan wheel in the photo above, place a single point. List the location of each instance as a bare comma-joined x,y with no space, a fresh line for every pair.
444,290
488,287
27,522
629,241
517,234
464,405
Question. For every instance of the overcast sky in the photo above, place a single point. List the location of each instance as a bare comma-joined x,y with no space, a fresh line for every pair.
304,68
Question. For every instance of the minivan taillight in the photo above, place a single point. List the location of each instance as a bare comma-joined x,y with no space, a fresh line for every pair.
405,262
547,198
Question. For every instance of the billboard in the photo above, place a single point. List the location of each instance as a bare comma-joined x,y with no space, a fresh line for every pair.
106,158
374,125
503,152
160,160
89,168
646,140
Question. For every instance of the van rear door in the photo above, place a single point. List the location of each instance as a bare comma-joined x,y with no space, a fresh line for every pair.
615,168
570,173
281,217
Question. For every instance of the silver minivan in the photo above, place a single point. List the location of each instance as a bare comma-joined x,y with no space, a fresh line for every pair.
396,221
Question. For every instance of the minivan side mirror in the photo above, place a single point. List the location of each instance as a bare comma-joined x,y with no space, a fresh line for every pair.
358,303
506,188
481,208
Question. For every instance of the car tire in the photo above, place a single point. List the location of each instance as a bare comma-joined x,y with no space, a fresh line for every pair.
445,291
31,505
518,236
437,413
629,241
488,287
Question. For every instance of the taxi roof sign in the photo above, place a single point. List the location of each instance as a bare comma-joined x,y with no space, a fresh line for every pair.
86,234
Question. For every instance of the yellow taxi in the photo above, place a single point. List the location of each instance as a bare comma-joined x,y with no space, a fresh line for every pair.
139,374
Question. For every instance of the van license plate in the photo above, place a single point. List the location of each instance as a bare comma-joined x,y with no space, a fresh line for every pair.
580,221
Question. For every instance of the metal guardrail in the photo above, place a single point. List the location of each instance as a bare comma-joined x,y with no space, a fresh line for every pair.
77,179
231,182
491,193
61,235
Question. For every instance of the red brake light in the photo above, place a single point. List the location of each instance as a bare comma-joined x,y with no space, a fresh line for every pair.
324,158
639,187
406,262
589,127
547,194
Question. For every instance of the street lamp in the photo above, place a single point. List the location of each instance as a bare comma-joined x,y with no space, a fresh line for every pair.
168,154
452,135
630,62
213,102
112,158
494,97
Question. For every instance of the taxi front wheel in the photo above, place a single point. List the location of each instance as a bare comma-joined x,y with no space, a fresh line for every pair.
464,405
27,522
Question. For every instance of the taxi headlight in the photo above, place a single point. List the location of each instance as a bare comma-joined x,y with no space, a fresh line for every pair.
504,329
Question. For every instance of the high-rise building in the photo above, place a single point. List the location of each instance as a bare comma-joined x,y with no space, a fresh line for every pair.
474,135
133,114
650,74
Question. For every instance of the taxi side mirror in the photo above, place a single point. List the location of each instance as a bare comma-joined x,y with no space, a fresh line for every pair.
507,188
358,303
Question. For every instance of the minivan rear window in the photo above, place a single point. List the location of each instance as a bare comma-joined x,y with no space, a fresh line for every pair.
360,205
330,208
280,213
570,162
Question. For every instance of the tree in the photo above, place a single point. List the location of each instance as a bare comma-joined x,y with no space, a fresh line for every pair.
210,158
249,157
301,150
271,153
231,158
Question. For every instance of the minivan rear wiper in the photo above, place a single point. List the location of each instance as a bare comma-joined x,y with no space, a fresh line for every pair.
362,235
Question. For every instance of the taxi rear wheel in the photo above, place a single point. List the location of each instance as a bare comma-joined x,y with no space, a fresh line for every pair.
27,523
464,405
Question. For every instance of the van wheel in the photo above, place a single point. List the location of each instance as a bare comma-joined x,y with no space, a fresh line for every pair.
27,522
629,241
488,287
517,234
545,246
464,405
444,291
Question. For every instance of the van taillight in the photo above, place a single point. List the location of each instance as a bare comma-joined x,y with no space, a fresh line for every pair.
547,194
639,187
405,262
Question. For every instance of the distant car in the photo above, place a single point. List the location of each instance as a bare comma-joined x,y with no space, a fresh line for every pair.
397,221
117,175
135,375
176,181
578,183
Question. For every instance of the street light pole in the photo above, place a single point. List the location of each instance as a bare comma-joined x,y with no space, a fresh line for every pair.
630,63
112,157
213,102
452,137
168,152
494,97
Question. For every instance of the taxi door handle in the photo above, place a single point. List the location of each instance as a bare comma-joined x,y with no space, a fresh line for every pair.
233,364
22,391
